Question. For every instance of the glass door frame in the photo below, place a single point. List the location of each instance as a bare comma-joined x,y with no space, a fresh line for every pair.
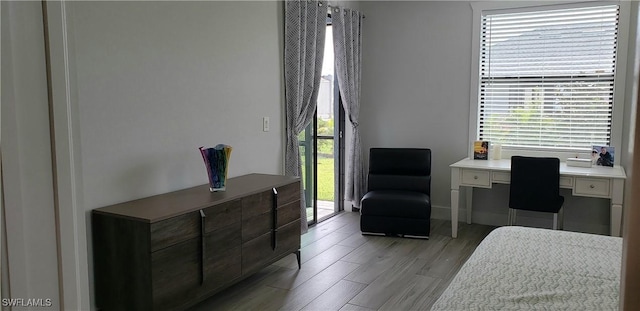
310,144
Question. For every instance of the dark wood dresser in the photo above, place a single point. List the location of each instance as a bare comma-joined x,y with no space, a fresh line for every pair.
170,251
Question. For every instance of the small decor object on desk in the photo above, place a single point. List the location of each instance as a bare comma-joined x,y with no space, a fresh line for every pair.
216,161
480,150
602,155
496,153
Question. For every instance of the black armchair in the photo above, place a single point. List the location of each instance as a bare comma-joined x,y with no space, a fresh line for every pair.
398,198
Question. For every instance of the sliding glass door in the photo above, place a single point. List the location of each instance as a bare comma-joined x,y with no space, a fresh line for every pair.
321,146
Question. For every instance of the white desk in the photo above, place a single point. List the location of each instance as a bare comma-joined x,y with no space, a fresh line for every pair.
596,182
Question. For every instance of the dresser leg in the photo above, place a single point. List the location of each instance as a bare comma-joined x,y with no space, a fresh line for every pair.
298,258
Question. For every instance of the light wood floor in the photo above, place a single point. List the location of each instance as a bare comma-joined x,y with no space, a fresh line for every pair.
344,270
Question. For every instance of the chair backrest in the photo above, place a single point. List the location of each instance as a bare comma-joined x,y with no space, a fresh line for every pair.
400,169
535,184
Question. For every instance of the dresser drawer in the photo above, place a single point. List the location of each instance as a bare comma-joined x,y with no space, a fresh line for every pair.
288,194
177,271
175,274
175,230
256,226
475,178
261,224
257,204
257,210
222,215
257,252
222,256
262,202
288,212
181,228
592,187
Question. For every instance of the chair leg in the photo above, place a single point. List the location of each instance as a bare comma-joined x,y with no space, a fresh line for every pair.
558,219
509,218
512,220
561,218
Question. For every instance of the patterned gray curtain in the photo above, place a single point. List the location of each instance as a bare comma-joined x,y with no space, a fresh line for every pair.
305,26
347,41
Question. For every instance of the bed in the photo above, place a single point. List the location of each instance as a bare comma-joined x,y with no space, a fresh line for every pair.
517,268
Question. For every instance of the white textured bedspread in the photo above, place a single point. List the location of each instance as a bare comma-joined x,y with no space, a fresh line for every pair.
517,268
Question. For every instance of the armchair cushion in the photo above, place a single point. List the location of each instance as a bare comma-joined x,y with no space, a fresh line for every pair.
396,203
413,183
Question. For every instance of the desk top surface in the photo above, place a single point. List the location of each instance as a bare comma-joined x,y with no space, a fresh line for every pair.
505,165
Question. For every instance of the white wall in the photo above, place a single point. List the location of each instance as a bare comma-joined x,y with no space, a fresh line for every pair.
415,88
415,93
26,157
156,80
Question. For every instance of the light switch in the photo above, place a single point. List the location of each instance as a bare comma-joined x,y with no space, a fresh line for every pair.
265,124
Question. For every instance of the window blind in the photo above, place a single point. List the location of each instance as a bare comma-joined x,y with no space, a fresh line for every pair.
547,77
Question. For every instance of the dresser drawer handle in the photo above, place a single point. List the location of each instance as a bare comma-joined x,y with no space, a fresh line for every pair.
592,186
274,219
202,245
475,177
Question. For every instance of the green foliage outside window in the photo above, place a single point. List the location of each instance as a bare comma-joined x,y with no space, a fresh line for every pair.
326,183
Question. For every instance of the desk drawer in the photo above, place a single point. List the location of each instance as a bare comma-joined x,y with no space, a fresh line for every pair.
505,178
475,178
566,182
501,177
592,187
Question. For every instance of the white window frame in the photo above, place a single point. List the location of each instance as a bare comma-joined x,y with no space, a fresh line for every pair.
479,8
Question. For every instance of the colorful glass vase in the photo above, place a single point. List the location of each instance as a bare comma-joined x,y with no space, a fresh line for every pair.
216,160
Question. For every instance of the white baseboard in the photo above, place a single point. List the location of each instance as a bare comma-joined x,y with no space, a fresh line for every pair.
444,212
499,219
348,206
